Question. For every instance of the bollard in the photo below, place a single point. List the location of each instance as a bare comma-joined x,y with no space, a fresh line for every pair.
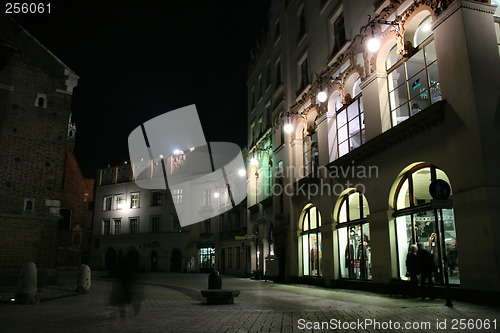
26,291
214,280
84,279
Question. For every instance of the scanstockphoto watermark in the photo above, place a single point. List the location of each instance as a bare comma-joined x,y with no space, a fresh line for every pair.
331,181
350,171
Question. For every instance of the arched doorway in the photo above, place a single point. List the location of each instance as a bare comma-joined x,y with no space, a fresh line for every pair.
417,223
154,262
176,261
110,259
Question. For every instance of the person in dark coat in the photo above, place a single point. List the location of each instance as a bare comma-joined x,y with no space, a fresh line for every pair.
413,269
427,268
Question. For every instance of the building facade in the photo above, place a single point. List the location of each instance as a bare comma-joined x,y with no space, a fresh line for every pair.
355,108
35,99
128,218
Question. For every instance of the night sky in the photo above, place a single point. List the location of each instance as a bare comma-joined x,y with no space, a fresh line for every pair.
137,60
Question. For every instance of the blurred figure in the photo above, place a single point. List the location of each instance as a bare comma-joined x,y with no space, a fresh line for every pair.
413,269
427,268
126,291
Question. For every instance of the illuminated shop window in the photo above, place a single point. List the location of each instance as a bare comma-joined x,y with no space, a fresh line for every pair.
311,242
417,222
354,237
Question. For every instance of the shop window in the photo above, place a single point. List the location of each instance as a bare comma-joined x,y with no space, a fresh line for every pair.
413,83
418,223
310,240
351,123
207,258
354,236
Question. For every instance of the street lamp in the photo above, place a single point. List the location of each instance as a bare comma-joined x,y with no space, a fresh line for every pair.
322,96
373,44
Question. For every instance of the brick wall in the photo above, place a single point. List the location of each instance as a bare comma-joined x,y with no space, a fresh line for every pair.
32,146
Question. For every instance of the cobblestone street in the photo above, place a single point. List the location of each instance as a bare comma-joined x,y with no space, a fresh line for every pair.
173,303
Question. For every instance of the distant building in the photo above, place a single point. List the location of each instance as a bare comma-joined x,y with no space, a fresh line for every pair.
35,100
77,206
345,139
128,218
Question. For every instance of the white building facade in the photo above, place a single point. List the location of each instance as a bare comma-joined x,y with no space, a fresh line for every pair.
338,184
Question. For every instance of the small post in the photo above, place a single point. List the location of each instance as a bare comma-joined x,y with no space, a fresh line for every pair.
84,280
26,292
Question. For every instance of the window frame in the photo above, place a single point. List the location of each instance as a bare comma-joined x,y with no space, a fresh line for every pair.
406,83
307,234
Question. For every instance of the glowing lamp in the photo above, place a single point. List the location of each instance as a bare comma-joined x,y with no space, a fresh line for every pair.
288,128
322,96
216,194
254,161
373,44
242,172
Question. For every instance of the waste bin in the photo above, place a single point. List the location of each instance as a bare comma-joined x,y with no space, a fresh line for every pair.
214,280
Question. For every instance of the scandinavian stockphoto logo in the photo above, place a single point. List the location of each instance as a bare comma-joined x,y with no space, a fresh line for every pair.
204,178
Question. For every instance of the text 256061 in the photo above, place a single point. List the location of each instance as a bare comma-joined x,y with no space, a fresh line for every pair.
27,8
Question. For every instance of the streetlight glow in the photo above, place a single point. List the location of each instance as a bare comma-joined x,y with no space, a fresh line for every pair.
216,194
242,172
322,96
373,44
254,161
288,128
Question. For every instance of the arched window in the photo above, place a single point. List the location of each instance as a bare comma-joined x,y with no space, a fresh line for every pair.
354,236
414,82
311,241
417,222
351,122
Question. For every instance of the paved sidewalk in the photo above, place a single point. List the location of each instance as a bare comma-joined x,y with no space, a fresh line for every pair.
173,303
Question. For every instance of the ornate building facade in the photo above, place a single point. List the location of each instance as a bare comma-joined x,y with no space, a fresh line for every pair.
355,108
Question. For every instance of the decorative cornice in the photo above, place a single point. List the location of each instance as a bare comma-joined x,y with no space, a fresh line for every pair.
457,4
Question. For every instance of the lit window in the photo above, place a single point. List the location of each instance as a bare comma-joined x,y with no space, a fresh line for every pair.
413,83
119,201
351,123
177,196
134,200
354,237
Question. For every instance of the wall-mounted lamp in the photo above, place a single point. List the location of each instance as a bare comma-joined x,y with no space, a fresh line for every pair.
288,125
373,43
322,96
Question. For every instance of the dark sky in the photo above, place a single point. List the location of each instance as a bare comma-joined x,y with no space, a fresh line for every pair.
137,60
